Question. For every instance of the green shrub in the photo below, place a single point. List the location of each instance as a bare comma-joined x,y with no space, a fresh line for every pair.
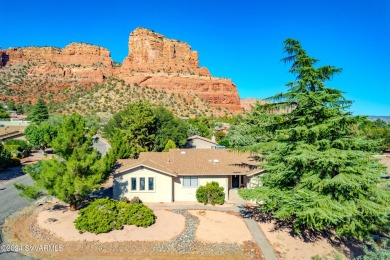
21,144
11,148
136,214
100,216
104,215
377,252
211,193
29,192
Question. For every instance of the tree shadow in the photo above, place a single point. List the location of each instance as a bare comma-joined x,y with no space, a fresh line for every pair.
59,207
350,247
120,187
4,58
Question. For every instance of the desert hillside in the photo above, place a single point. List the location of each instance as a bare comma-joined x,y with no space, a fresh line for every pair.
80,77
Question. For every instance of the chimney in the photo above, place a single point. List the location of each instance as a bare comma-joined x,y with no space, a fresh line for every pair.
213,138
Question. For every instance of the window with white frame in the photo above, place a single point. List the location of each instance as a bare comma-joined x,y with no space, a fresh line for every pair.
142,183
150,183
190,181
133,184
145,184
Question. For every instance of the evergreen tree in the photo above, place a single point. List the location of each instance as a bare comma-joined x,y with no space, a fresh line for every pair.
319,176
142,127
11,105
39,112
5,157
3,112
168,128
77,170
170,145
40,136
132,130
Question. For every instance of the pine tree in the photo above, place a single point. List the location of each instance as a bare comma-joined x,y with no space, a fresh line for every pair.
39,112
319,176
77,170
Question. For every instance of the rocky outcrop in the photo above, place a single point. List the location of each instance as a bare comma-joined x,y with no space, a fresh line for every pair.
153,61
218,92
247,103
151,52
171,65
74,54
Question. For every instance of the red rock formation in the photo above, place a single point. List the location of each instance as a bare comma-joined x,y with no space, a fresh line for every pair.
153,60
73,54
152,52
171,65
247,103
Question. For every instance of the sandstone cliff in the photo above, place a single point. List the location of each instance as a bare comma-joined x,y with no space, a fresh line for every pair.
153,61
151,52
172,66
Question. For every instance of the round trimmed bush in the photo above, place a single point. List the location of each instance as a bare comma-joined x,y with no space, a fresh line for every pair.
136,214
211,193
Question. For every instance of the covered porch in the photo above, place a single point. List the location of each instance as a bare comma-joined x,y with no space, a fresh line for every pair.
238,181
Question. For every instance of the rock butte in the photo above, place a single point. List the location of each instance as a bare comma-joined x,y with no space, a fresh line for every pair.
153,60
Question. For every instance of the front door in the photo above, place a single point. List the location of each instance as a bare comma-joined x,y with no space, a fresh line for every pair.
235,181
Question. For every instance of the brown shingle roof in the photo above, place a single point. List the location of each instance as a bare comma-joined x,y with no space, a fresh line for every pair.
195,162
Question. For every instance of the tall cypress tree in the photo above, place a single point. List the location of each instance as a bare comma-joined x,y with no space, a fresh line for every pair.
319,176
39,112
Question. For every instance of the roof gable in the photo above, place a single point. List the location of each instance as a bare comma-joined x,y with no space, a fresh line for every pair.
147,164
196,162
201,138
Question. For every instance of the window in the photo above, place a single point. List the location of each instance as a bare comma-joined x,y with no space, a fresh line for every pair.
133,183
190,181
151,183
142,183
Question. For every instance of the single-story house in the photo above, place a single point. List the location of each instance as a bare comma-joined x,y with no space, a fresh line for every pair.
176,175
200,142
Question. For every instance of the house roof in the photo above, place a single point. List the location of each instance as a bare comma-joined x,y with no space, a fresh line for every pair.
195,162
201,138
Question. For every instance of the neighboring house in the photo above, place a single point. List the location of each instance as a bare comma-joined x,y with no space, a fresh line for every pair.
176,175
200,142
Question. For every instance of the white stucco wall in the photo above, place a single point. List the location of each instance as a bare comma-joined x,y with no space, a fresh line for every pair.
253,181
200,144
182,193
162,185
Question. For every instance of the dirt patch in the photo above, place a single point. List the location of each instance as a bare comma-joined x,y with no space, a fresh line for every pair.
292,247
220,227
385,159
35,156
61,224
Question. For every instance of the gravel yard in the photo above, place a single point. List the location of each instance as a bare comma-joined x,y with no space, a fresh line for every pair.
23,228
168,226
220,227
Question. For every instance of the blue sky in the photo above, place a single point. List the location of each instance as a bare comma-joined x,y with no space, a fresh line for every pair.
241,40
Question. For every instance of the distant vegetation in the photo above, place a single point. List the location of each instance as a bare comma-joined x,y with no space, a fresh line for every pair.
66,95
143,127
